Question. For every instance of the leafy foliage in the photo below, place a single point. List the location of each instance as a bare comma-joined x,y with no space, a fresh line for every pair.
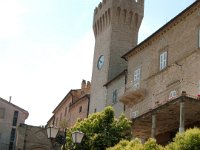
189,140
101,130
137,145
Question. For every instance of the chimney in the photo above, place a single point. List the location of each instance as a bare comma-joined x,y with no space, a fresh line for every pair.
10,99
83,84
88,85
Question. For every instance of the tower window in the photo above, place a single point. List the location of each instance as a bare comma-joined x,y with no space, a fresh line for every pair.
66,111
60,116
15,117
2,113
56,121
163,60
80,109
136,78
12,138
114,97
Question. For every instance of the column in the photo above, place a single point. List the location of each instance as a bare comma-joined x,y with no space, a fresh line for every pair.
182,117
153,127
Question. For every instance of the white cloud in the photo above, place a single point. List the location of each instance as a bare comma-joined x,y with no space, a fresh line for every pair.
10,17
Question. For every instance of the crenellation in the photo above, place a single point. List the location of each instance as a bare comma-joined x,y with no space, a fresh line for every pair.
100,5
123,13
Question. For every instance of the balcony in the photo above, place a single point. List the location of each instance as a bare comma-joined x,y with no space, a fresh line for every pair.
132,95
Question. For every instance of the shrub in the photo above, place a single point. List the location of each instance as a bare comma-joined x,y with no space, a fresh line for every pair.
189,140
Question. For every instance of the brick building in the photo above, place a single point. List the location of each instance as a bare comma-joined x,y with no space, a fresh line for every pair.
157,82
75,105
11,116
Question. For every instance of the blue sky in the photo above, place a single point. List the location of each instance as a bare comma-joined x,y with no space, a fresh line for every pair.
46,48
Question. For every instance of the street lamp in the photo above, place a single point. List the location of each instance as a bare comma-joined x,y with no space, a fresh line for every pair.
52,132
77,136
56,137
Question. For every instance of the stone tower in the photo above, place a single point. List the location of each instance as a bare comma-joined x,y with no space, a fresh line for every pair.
115,24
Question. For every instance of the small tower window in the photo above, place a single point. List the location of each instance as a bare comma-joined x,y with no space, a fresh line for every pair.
80,109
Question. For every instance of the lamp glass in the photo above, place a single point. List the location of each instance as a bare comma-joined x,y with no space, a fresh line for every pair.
77,136
52,132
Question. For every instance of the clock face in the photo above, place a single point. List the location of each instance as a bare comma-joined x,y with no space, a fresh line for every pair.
100,62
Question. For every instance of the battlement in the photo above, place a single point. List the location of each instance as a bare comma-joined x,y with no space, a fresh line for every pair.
115,11
104,3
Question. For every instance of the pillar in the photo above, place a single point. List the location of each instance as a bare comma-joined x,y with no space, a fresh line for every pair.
182,117
153,127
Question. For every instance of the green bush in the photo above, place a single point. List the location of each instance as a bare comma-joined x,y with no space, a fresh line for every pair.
101,130
137,145
189,140
128,145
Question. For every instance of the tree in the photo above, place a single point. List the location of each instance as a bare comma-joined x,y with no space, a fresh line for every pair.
137,145
189,140
101,130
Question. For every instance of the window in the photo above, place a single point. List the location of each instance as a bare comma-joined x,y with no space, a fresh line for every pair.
95,110
56,121
80,109
66,111
172,94
15,117
114,96
136,78
2,113
12,138
60,116
163,60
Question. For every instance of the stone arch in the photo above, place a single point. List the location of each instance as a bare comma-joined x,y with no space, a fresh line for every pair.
118,13
109,16
106,18
97,26
103,21
95,29
124,15
100,24
130,17
136,19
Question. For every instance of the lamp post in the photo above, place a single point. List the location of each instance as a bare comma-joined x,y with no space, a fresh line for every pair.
52,134
56,137
77,136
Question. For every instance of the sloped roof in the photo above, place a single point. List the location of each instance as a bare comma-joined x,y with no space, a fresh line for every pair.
15,106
